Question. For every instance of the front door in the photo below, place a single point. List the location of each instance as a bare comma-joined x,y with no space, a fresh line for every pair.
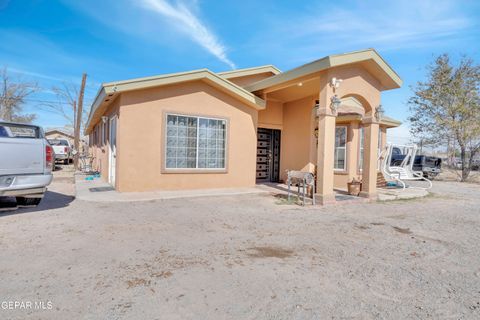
268,155
113,151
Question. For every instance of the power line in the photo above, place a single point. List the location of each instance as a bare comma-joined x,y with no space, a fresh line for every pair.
37,100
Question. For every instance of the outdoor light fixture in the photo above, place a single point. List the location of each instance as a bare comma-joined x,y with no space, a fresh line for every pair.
104,119
379,112
335,103
335,83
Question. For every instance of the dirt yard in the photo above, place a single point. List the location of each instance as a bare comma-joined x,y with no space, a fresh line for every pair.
243,257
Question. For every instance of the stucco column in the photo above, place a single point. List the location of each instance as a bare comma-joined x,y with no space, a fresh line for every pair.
370,158
326,145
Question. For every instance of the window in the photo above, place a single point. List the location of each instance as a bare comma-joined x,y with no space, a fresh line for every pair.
58,142
361,146
339,161
195,142
104,133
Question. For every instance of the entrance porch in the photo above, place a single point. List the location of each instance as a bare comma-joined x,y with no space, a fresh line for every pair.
327,121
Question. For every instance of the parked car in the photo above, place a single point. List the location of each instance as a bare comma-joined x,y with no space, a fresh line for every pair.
476,164
26,163
430,166
62,149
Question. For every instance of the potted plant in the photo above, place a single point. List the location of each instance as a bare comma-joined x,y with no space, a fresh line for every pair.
354,187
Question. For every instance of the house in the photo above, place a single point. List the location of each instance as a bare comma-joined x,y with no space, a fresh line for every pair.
67,134
60,133
201,129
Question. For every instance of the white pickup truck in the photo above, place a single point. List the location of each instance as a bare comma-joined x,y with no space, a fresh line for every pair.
63,150
26,161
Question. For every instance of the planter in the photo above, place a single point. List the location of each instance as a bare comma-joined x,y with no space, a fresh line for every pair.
354,187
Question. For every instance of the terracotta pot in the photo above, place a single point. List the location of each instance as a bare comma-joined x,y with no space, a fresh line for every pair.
354,188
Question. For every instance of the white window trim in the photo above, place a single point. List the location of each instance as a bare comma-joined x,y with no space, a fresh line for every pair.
196,169
345,148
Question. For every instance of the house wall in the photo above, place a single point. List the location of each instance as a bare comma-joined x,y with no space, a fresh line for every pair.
296,136
100,150
272,116
141,136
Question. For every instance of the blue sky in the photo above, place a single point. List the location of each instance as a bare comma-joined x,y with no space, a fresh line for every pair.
54,41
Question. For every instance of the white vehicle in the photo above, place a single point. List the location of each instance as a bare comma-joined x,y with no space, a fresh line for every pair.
26,161
63,150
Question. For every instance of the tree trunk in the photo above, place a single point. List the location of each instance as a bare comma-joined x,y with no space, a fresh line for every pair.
78,120
465,168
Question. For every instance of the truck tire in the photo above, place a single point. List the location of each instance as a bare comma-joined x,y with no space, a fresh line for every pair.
22,201
65,161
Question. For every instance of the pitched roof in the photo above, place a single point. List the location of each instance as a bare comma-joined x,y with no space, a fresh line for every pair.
249,71
108,91
63,131
387,76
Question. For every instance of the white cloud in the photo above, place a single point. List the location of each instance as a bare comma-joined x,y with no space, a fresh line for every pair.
326,28
186,21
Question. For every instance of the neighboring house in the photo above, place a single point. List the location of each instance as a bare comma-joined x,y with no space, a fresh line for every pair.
65,133
201,129
59,133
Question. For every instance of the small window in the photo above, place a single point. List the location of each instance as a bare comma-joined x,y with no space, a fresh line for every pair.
340,155
104,129
361,148
195,142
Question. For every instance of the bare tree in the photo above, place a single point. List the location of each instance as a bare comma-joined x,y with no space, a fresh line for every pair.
13,94
446,108
66,97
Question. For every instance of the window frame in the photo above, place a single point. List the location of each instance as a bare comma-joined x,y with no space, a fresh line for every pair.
361,147
344,169
165,169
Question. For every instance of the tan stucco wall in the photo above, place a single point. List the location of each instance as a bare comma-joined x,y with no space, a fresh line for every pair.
141,132
296,135
246,80
99,150
272,116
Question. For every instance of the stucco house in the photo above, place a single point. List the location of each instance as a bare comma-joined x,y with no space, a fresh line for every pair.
59,133
201,129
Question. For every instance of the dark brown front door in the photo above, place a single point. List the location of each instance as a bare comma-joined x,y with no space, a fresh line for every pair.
268,155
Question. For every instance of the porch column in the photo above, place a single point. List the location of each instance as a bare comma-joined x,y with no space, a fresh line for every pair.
370,158
326,145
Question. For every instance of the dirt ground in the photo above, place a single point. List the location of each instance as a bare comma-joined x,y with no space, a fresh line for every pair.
449,174
242,257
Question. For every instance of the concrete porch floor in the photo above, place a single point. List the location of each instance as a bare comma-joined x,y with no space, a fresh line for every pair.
97,190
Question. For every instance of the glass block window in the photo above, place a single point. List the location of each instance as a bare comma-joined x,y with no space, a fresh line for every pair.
195,142
340,155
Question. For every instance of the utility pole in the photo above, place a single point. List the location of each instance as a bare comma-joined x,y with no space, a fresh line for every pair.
78,120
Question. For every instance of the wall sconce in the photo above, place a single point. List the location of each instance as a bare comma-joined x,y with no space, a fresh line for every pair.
104,119
379,112
335,104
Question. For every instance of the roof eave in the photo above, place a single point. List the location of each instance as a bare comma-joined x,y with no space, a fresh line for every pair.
171,79
330,62
249,71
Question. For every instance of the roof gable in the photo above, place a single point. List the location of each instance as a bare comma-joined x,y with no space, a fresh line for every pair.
109,91
370,58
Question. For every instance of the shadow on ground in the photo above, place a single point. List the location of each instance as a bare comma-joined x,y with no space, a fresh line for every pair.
51,200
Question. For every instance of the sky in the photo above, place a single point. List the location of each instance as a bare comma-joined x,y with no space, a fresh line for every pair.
52,42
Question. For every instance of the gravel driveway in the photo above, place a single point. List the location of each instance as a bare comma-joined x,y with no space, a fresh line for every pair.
243,257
